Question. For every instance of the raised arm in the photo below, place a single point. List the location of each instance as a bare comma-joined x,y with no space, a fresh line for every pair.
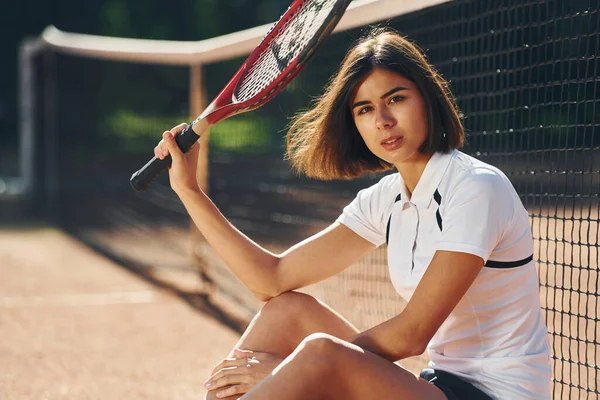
265,273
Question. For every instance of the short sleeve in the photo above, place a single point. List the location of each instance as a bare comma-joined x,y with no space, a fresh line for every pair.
477,214
366,214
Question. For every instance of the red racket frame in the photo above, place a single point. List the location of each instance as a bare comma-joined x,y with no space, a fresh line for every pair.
225,106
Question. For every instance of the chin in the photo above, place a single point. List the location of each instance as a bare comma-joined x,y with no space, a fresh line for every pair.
401,157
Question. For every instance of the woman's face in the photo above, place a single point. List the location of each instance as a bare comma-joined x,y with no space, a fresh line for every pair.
390,115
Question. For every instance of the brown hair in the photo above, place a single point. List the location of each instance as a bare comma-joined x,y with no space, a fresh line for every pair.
323,142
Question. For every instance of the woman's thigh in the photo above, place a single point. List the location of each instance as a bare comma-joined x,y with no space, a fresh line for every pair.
349,372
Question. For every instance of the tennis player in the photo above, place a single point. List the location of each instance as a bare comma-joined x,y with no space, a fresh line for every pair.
460,251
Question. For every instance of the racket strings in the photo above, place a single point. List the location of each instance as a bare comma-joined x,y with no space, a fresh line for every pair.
290,41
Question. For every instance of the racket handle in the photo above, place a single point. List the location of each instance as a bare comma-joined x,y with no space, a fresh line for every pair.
142,179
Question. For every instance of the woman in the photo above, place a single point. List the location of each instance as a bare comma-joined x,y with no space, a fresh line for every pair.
460,251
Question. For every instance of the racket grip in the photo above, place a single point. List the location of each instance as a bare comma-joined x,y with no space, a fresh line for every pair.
141,179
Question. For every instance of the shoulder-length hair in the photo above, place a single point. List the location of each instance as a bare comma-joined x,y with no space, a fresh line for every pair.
324,143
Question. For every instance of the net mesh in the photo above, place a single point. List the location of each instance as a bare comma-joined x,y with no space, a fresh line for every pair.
289,43
525,74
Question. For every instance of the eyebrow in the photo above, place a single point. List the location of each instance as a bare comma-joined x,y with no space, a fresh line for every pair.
383,96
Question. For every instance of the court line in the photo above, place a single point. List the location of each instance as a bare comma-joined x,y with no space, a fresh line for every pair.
79,299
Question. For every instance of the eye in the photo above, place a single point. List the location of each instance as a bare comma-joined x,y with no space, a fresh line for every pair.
364,110
397,98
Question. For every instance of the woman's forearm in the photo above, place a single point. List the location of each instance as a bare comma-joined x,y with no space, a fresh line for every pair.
392,340
252,264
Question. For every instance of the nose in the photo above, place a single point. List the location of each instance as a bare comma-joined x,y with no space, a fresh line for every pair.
385,119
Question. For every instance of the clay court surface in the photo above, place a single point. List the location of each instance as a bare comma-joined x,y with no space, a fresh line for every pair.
74,325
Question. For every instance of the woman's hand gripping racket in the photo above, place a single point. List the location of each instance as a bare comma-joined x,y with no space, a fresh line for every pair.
283,52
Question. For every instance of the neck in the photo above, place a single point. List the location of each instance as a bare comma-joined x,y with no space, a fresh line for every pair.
411,170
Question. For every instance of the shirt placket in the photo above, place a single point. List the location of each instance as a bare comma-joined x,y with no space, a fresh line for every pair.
412,225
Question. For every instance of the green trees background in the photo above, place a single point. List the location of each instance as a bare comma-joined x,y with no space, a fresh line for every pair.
148,19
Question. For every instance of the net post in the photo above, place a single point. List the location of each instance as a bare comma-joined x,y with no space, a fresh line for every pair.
51,156
197,105
28,51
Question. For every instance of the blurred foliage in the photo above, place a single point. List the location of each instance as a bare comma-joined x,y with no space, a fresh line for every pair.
104,94
136,133
243,133
150,19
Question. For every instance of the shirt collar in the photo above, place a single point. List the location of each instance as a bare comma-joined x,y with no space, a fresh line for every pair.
430,180
403,192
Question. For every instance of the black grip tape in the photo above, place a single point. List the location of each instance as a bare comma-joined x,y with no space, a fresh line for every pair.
142,179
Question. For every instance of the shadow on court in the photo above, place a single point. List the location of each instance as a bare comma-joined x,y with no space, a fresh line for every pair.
74,324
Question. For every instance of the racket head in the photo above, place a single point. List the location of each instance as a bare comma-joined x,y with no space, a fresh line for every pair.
282,53
280,56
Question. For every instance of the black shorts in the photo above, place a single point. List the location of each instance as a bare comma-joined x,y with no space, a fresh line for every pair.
453,387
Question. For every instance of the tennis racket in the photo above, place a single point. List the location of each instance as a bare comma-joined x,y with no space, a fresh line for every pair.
282,53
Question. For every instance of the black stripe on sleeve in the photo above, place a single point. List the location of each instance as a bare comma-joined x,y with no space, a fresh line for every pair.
508,264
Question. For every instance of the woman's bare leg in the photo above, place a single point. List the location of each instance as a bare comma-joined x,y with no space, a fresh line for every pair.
324,367
285,321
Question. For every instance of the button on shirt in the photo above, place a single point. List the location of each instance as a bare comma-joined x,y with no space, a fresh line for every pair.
496,337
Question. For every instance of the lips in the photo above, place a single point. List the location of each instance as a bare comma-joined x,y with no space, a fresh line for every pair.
392,142
391,139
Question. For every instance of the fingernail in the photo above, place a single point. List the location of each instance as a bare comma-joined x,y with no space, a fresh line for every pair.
208,385
220,394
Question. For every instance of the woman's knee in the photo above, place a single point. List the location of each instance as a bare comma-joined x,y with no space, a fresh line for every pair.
321,347
306,315
327,351
321,355
290,305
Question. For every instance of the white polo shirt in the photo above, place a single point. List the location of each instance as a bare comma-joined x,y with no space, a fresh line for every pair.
496,337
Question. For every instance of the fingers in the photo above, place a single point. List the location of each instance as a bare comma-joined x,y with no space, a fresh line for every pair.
233,390
242,368
161,151
235,371
241,353
242,357
177,129
228,363
168,145
172,146
226,378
